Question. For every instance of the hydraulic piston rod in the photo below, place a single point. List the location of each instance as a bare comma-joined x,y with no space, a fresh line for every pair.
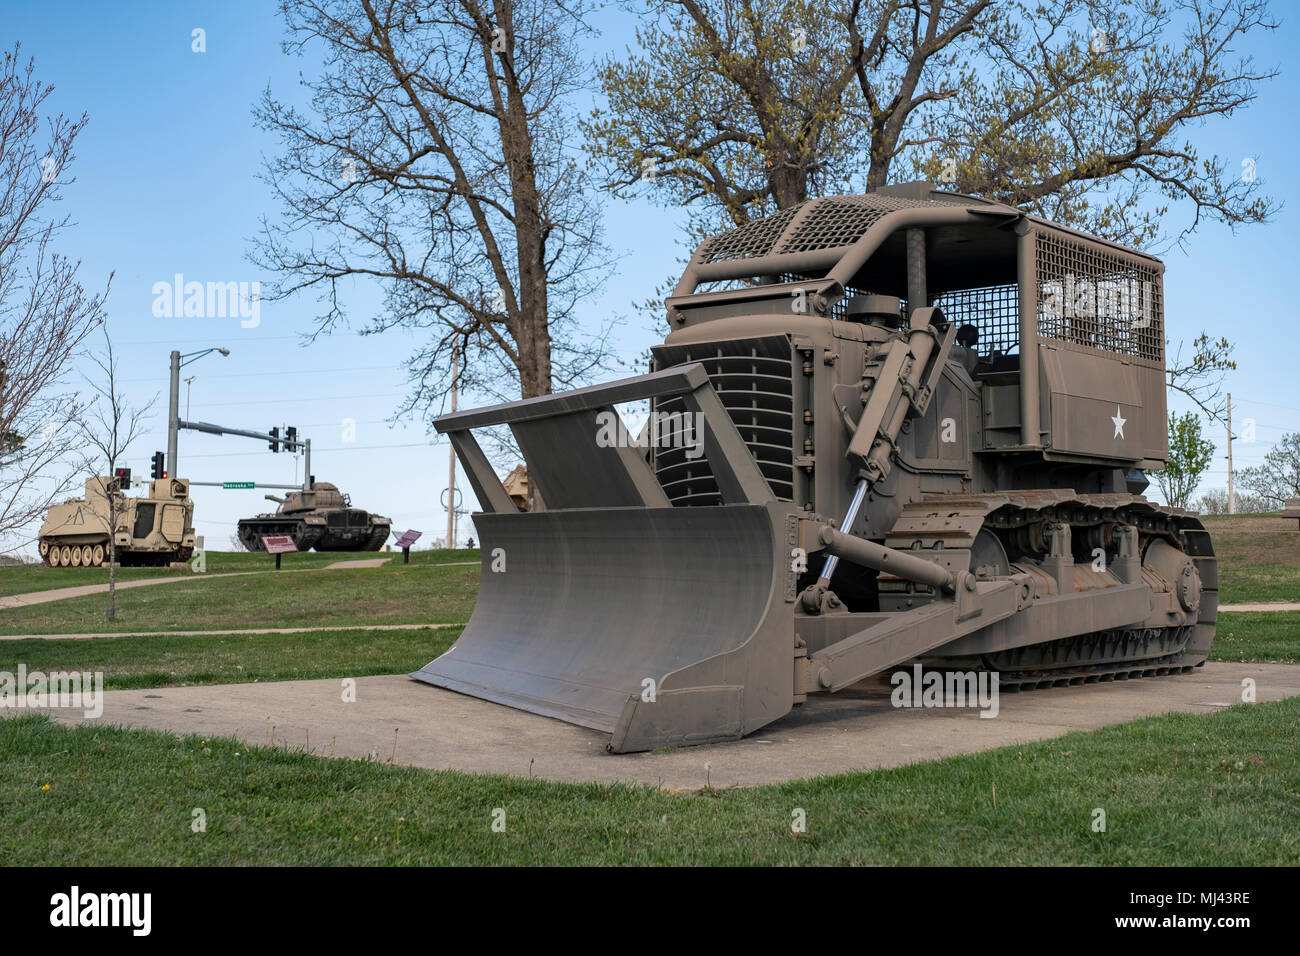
872,555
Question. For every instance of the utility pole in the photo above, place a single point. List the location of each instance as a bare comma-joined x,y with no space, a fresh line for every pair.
1232,491
451,479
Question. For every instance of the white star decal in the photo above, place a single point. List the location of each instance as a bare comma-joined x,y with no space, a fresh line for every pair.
1119,423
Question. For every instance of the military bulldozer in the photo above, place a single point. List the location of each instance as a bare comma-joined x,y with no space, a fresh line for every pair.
319,518
156,529
901,427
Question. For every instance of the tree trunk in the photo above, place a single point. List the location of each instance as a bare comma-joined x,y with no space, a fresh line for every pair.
111,614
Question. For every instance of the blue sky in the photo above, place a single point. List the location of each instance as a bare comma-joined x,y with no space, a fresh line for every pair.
166,183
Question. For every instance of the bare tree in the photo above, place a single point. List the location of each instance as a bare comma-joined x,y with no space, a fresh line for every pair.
1200,377
436,159
110,425
1215,502
45,313
1277,479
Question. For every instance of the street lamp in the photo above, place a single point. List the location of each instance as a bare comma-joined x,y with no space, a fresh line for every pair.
173,412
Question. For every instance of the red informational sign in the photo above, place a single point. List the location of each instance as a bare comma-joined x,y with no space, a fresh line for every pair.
407,539
278,543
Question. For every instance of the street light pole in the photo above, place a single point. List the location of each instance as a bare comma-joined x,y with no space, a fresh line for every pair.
173,413
174,400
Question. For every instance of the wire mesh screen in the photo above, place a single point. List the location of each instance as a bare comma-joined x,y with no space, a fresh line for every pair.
1090,296
828,222
750,240
994,310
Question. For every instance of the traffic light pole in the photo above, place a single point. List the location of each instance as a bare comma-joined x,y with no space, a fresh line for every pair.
290,444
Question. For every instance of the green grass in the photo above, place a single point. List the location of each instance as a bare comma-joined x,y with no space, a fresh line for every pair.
1264,583
1259,557
25,579
424,593
1257,636
168,661
1182,789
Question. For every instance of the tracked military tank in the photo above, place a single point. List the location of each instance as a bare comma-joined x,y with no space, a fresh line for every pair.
321,518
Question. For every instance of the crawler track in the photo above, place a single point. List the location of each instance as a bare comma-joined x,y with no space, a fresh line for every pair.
1017,520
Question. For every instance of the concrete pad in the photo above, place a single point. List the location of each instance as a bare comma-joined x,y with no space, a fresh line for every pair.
366,563
857,729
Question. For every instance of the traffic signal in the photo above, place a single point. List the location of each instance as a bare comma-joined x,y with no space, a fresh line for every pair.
291,438
159,467
123,476
274,443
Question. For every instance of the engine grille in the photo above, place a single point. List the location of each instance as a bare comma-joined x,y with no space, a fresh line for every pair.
754,380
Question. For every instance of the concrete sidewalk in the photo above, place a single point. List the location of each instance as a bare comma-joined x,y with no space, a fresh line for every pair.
1266,606
82,590
857,729
245,630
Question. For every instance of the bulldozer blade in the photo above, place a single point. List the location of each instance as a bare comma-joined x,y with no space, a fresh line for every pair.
659,626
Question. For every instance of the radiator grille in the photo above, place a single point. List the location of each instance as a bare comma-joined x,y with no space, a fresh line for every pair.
754,380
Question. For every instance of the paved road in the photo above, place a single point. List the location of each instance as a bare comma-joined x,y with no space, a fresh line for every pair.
857,729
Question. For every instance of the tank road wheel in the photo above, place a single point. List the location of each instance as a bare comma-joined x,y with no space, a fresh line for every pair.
87,555
44,548
97,556
76,555
65,557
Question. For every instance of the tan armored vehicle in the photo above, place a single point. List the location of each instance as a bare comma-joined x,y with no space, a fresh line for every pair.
156,529
906,425
321,518
516,485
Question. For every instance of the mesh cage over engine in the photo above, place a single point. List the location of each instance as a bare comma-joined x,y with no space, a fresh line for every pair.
829,222
754,380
